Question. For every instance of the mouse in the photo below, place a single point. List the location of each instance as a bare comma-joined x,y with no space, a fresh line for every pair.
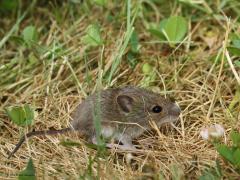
124,114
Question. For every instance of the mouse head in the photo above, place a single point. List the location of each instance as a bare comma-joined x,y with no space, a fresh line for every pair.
139,106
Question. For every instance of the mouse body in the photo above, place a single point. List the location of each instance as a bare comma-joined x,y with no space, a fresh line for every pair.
123,113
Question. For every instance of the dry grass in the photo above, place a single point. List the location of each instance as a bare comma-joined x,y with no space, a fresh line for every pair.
203,88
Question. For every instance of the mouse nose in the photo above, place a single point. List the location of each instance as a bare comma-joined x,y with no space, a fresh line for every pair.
174,110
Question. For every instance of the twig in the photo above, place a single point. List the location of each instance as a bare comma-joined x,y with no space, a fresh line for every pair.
232,67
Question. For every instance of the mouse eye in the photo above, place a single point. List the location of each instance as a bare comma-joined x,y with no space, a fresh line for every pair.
157,109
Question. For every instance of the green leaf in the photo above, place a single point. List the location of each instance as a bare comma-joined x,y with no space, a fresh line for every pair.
236,157
235,137
28,173
92,37
100,2
234,50
76,1
163,24
236,43
21,115
208,176
134,42
6,5
237,63
172,29
30,35
147,69
226,152
157,33
69,143
17,39
132,59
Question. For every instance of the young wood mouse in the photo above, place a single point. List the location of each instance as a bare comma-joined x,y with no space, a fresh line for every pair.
124,114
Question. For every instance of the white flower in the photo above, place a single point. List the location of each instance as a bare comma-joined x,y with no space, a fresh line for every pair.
213,131
204,133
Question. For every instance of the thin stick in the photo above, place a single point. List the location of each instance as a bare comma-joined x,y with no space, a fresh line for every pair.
232,67
220,70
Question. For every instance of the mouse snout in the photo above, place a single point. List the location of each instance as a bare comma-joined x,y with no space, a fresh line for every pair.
174,109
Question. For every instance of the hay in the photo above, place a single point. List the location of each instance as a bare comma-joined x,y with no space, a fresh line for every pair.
202,88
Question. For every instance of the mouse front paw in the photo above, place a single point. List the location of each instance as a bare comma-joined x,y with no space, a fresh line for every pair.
125,147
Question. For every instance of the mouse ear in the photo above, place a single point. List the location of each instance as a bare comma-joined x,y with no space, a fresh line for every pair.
125,102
